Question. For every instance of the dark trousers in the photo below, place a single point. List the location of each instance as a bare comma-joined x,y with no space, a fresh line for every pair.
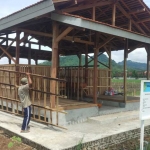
27,116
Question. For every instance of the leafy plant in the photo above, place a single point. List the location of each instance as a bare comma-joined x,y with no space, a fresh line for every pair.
14,140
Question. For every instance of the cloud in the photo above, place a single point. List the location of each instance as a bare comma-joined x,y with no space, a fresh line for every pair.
10,6
138,55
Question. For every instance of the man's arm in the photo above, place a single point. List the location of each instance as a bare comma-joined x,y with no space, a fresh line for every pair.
29,78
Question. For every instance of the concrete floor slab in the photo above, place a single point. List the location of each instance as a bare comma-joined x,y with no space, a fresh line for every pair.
58,139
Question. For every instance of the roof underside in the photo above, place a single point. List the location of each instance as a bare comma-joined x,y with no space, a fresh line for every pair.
75,41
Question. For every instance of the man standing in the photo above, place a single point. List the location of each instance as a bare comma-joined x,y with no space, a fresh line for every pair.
23,92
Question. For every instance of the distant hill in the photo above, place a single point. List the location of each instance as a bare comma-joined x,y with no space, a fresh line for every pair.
74,61
134,65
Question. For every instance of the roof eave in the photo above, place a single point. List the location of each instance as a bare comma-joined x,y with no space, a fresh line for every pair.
26,14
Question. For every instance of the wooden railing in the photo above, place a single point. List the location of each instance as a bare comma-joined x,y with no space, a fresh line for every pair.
40,96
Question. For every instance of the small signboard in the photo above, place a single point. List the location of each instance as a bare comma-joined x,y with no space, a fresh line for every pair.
144,107
145,100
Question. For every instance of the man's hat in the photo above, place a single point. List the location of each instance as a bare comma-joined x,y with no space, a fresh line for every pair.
24,80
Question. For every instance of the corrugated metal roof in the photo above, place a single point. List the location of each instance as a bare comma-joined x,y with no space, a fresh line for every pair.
23,9
40,8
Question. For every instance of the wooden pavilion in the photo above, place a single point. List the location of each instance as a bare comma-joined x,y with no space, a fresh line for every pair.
71,27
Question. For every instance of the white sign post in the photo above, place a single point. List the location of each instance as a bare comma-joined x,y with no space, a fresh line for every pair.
144,107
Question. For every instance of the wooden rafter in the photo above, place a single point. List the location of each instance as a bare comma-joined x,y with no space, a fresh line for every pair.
4,50
103,12
82,7
137,10
129,17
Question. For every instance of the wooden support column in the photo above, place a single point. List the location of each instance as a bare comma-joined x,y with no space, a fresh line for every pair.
17,55
95,77
36,61
80,60
29,54
7,40
130,25
9,60
17,46
86,64
148,62
110,67
114,14
54,63
125,70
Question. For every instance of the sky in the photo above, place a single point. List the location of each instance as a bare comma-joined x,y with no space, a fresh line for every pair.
10,6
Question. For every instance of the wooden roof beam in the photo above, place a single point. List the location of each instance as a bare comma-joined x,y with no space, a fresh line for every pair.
64,33
129,17
143,20
82,7
138,10
67,38
105,42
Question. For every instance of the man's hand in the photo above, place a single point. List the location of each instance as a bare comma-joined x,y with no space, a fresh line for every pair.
29,78
27,73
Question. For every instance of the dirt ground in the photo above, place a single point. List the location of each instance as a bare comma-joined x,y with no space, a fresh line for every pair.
7,143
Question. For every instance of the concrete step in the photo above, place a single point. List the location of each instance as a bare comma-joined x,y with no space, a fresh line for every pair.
116,117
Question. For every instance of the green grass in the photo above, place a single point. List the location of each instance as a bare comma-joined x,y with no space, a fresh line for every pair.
128,81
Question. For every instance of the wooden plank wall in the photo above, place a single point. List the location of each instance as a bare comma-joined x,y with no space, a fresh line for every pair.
78,79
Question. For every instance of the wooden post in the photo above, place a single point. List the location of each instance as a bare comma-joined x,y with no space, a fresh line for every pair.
29,54
9,60
114,14
110,67
54,63
130,25
80,59
36,61
86,64
125,70
17,46
17,55
148,62
95,79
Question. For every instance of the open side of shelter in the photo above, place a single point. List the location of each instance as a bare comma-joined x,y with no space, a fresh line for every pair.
70,27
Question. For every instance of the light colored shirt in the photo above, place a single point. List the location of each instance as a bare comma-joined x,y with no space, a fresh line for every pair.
23,92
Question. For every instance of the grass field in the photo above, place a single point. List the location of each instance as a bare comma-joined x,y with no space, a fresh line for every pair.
128,81
133,86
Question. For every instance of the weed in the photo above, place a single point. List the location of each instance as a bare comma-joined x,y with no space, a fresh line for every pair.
14,141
